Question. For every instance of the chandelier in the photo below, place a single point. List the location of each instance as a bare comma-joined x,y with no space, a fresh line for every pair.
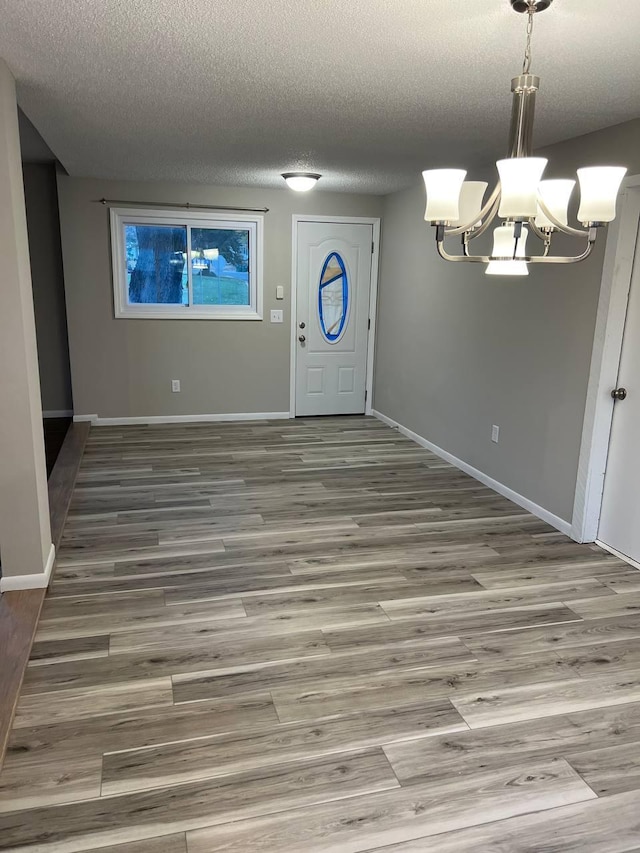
521,202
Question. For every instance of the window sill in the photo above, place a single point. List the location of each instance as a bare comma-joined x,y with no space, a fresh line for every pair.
187,314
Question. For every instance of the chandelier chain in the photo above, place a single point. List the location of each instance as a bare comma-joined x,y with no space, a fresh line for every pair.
526,65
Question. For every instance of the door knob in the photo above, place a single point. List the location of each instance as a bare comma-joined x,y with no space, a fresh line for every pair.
619,393
302,339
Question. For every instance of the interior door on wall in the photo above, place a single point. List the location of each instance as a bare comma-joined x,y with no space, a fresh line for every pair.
620,516
333,280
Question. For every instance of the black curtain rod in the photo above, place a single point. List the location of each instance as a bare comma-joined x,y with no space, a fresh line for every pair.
186,205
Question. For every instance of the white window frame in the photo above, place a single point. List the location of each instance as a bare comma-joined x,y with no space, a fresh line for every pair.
254,224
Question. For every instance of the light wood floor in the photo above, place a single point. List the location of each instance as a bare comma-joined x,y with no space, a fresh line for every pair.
316,637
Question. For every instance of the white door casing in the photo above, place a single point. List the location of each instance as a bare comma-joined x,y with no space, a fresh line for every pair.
332,282
605,360
620,514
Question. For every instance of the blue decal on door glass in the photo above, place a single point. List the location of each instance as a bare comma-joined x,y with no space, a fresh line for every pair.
333,298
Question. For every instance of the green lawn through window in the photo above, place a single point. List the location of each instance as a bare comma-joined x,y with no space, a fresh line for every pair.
219,291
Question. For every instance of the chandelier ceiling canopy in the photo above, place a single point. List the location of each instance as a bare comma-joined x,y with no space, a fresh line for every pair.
521,202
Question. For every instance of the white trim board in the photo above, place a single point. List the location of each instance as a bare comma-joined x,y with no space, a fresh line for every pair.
633,563
123,309
57,413
37,581
605,360
96,420
373,300
539,511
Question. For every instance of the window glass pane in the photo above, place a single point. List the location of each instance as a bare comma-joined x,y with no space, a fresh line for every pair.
220,266
333,298
156,264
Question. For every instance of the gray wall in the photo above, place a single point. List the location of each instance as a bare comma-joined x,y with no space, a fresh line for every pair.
123,368
25,532
45,253
458,351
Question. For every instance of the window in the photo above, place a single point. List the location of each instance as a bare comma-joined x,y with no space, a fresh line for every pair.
186,265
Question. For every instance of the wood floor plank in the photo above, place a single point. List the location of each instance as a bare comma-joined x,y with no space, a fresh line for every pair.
118,670
438,758
29,782
176,843
81,702
332,596
127,818
66,740
510,575
610,770
85,646
365,823
534,640
609,825
463,624
404,608
347,695
618,605
103,624
527,702
308,671
204,758
194,633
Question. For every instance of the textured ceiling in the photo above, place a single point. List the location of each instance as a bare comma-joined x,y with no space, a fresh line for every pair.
368,92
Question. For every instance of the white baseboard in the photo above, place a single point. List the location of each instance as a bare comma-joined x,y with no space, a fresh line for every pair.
38,581
57,413
183,419
539,511
618,554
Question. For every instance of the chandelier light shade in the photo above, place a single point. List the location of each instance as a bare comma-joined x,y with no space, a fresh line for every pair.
301,182
470,203
599,188
443,188
520,178
555,196
503,243
521,203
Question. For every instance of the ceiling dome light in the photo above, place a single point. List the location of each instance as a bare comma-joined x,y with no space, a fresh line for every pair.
523,202
301,182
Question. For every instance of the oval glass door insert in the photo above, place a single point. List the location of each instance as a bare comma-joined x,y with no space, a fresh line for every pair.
333,298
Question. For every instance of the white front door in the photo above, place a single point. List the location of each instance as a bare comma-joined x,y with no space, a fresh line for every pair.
333,280
620,516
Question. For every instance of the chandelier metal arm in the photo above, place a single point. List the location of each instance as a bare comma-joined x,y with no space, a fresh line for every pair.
566,229
493,199
541,235
555,259
488,221
532,259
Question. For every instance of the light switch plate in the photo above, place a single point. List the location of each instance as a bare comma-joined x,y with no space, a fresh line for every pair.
279,292
277,315
175,385
495,433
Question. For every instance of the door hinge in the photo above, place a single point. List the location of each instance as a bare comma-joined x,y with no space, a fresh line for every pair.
369,323
366,394
373,247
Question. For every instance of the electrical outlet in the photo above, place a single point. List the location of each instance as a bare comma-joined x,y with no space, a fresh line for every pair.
277,315
495,433
175,385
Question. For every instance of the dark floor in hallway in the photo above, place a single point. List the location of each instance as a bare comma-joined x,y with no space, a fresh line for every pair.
55,430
